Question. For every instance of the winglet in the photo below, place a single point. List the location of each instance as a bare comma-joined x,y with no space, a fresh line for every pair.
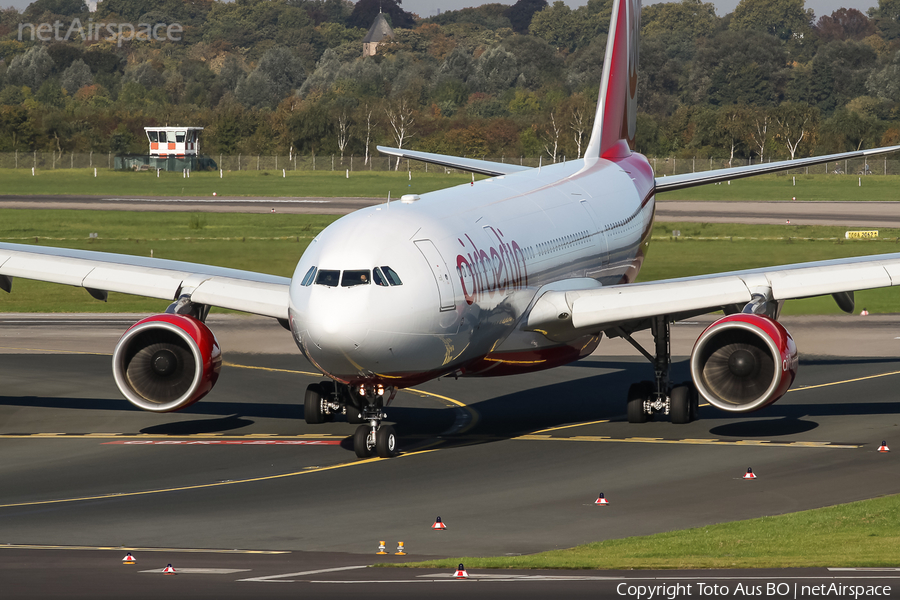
615,121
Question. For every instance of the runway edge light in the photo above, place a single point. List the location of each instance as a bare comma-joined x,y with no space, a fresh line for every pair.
438,525
461,572
749,474
601,500
169,570
128,560
883,447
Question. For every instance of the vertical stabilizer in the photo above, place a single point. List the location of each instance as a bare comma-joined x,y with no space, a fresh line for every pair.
614,123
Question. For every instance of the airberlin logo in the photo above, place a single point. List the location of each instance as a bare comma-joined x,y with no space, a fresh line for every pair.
497,269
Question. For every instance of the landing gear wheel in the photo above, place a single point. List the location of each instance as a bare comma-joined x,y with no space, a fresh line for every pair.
361,441
312,407
637,394
386,442
327,396
694,397
680,404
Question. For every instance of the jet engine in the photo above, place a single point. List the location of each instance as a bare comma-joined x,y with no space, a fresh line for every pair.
166,362
744,362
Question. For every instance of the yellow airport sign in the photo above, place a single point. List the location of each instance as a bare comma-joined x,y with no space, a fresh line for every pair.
857,235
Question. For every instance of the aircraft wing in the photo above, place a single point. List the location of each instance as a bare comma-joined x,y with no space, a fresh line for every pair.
100,272
482,167
678,182
609,307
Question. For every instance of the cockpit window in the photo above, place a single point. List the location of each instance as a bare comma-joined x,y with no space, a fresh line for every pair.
391,276
328,278
308,278
378,277
352,278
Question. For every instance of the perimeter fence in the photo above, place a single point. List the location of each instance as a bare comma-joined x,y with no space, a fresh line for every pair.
662,166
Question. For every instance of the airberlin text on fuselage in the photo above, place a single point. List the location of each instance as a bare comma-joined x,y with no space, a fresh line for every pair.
505,274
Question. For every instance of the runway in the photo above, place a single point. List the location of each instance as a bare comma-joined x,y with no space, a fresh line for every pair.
512,465
850,214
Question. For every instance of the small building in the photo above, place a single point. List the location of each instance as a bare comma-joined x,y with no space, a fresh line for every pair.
176,142
171,149
379,33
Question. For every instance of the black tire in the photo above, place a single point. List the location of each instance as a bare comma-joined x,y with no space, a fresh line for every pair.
312,407
354,415
361,441
386,442
694,396
680,405
637,393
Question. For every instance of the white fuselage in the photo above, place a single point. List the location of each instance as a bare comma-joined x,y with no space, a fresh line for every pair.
469,260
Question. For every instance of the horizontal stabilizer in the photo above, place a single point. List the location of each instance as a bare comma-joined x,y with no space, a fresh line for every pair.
678,182
482,167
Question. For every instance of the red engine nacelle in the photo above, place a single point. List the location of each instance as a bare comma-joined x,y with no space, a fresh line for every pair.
166,362
744,362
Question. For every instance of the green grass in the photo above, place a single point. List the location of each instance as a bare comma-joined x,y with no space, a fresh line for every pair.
882,188
273,243
360,184
714,247
859,534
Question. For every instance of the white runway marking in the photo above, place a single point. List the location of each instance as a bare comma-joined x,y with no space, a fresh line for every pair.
280,578
200,571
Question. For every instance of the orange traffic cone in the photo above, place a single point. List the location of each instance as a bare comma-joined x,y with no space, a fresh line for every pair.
381,548
601,500
169,570
438,525
883,447
749,474
461,572
128,560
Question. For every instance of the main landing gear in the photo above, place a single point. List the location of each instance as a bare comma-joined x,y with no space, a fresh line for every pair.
647,398
362,405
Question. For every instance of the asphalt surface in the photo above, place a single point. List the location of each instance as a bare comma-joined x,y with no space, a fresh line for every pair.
515,470
850,214
245,499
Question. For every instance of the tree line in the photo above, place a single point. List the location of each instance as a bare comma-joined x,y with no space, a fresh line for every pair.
769,80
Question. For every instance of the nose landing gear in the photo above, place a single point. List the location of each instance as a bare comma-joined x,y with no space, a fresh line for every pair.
375,438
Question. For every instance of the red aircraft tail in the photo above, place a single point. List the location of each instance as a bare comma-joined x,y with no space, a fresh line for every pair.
615,121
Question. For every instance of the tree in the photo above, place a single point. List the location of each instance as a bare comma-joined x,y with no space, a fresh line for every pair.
784,19
759,132
343,131
795,123
521,13
31,68
844,24
549,135
887,18
76,77
401,119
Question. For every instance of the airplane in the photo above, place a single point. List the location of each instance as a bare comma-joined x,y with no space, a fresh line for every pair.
525,270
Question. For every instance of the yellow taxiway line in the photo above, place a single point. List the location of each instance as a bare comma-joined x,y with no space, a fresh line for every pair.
201,486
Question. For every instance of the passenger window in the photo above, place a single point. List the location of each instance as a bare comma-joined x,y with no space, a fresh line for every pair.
379,278
308,278
179,137
153,136
352,278
162,136
328,278
391,275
